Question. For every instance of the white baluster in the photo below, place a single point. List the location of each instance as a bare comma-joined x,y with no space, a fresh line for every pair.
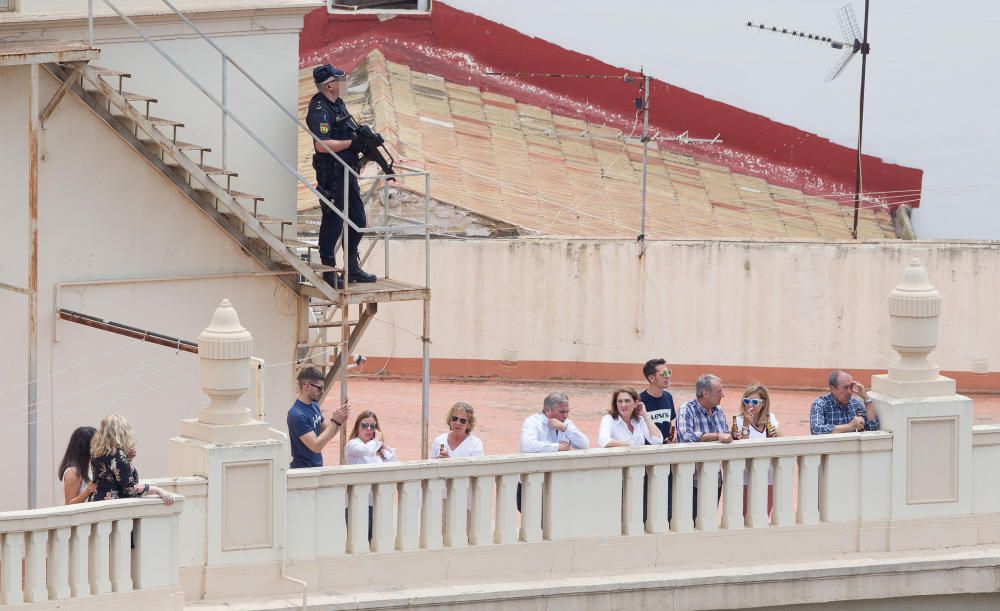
331,528
783,514
656,499
121,555
808,511
430,515
57,565
708,495
408,526
634,478
531,507
357,522
34,567
682,521
79,552
505,530
482,499
10,569
383,537
457,527
99,561
152,558
732,495
757,494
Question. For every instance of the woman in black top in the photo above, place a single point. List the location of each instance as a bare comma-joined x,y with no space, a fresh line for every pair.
111,452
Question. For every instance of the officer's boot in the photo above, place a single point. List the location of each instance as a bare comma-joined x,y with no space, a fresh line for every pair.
332,278
354,271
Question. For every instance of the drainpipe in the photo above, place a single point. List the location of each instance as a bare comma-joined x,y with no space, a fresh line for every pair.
33,126
284,560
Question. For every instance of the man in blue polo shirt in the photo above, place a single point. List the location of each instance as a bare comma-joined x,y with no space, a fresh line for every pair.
308,431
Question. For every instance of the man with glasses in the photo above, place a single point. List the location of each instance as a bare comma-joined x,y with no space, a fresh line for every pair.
659,403
839,411
308,431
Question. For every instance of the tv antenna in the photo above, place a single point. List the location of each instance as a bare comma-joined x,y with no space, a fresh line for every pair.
855,42
641,103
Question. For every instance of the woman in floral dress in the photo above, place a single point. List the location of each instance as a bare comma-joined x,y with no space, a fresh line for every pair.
111,453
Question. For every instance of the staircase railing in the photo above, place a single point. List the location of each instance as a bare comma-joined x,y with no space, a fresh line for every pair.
378,232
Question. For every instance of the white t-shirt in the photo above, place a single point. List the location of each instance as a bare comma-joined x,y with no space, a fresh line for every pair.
470,446
755,434
358,452
616,429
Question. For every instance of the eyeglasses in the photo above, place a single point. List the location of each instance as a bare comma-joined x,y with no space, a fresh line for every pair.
316,386
666,373
368,425
457,419
753,402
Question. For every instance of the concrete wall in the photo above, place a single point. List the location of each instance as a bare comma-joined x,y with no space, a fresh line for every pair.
104,213
913,115
783,312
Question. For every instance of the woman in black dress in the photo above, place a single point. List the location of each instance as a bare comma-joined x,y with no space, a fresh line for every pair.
111,453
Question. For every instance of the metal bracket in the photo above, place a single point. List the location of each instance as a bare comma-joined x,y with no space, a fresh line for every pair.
60,93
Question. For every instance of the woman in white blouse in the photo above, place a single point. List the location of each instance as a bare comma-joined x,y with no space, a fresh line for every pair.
627,423
458,442
366,445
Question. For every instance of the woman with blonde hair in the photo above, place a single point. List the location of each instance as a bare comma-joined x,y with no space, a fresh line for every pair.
755,421
112,450
458,442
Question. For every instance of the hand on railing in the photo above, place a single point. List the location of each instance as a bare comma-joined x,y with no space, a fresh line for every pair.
168,497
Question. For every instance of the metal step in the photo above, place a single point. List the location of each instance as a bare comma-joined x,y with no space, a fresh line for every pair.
271,220
101,71
187,146
297,243
214,171
137,97
241,195
332,323
159,121
382,290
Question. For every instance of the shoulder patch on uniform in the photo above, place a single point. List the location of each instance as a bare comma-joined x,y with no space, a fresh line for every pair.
324,128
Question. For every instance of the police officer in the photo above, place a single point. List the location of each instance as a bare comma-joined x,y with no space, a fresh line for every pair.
327,119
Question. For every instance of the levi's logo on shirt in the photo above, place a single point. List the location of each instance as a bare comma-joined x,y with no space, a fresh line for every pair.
662,415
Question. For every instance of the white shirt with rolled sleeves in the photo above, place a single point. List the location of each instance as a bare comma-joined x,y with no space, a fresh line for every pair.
616,429
537,437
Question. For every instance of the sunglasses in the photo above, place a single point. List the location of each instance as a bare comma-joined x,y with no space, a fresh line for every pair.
368,425
316,386
666,373
753,402
457,419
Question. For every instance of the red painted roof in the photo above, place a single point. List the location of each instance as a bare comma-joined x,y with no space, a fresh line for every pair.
461,47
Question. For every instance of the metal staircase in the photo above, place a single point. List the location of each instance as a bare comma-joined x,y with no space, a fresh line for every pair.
269,240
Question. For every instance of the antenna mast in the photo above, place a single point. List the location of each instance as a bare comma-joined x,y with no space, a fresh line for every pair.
855,42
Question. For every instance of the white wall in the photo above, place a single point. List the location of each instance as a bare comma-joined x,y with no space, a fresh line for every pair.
105,213
930,100
739,303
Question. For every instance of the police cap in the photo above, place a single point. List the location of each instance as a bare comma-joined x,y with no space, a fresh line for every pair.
326,73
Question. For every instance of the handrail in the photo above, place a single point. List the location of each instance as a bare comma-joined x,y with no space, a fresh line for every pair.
224,107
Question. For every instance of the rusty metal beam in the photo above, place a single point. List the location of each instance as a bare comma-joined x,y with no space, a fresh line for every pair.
33,128
128,331
12,288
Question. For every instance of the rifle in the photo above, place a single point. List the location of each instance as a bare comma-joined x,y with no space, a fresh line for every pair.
370,143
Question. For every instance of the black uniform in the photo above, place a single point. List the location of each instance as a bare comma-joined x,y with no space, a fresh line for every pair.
329,121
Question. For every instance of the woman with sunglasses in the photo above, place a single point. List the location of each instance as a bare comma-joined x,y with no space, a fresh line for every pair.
755,421
458,442
366,444
627,422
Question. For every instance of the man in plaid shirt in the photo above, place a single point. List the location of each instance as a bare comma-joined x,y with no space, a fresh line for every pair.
839,411
702,419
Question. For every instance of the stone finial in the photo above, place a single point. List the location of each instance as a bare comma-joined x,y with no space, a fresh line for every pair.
914,309
225,347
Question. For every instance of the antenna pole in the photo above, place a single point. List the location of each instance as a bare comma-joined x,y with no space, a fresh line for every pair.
861,123
645,156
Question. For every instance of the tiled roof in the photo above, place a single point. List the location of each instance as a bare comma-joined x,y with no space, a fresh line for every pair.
558,175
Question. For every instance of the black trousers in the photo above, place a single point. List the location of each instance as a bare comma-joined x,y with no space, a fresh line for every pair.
330,182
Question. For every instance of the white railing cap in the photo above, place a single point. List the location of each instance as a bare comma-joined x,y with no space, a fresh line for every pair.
87,513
